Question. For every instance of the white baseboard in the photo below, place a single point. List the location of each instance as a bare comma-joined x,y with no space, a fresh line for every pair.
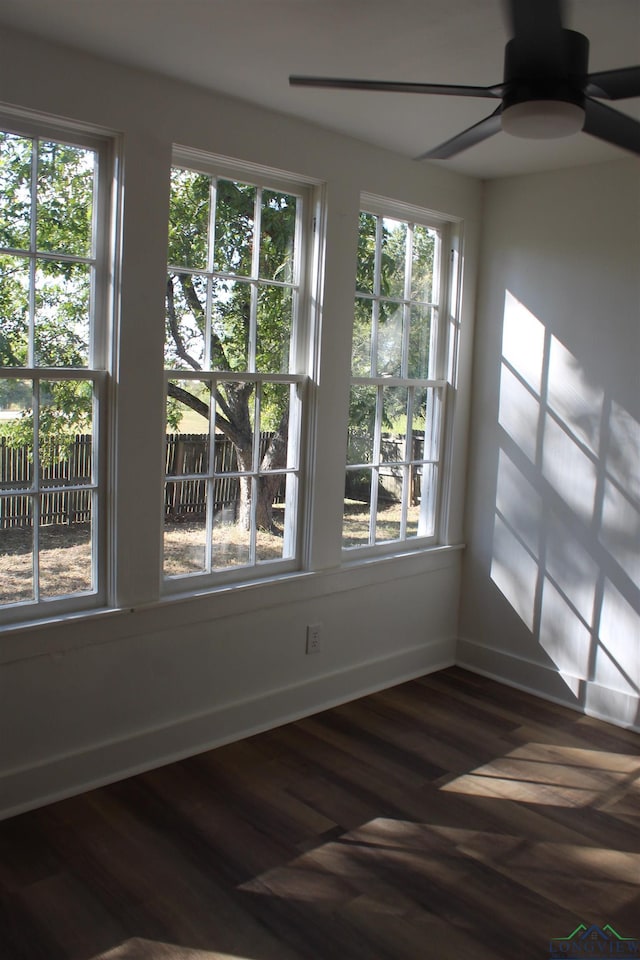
64,776
585,696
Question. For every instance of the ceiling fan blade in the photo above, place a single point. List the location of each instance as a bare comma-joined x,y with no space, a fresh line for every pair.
468,138
614,84
536,28
612,126
391,86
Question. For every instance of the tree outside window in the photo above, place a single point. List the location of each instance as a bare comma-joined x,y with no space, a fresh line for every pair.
396,400
233,391
52,345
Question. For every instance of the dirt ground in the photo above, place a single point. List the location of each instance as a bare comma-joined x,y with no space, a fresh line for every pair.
65,561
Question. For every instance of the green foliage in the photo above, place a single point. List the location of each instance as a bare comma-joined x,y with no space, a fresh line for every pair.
249,294
57,327
65,409
392,312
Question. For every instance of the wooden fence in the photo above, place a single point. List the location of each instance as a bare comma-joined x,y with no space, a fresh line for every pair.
189,453
184,499
60,467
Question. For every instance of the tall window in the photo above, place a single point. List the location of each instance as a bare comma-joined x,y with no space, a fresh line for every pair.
235,361
397,401
54,239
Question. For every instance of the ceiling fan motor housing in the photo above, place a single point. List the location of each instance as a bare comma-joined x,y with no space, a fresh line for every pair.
544,98
545,80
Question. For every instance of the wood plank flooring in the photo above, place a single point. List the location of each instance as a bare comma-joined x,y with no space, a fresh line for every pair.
450,817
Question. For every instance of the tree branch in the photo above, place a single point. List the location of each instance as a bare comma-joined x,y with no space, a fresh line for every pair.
189,399
174,327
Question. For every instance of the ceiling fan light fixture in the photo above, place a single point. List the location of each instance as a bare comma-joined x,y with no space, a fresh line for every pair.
543,119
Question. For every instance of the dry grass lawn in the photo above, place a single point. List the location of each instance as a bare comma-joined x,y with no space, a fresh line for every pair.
65,551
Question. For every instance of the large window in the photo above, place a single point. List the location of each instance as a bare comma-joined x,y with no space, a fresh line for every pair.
235,353
397,396
54,250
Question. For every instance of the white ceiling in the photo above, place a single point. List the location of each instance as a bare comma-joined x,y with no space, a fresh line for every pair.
247,48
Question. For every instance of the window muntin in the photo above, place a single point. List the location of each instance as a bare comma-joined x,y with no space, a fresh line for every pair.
394,447
235,384
54,238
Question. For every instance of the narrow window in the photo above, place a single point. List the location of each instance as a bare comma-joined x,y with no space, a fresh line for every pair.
394,445
235,378
54,239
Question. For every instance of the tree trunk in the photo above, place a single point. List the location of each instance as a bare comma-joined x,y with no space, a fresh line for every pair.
275,458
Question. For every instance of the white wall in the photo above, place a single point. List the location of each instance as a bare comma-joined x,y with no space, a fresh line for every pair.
92,698
551,581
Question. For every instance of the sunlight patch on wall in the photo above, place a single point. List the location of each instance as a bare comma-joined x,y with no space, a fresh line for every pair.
566,544
519,412
623,456
523,338
620,532
576,402
563,635
568,469
572,568
618,658
514,571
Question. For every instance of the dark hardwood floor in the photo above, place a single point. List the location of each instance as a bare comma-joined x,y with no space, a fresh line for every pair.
449,817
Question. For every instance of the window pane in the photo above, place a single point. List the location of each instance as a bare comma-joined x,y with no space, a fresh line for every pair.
65,428
230,325
366,253
393,259
274,427
187,426
186,302
189,218
277,234
14,312
185,530
273,329
414,500
426,424
390,327
419,424
361,349
422,258
16,553
235,401
16,439
235,214
420,341
15,191
271,518
63,298
357,506
231,535
388,518
394,421
65,198
65,551
362,420
425,482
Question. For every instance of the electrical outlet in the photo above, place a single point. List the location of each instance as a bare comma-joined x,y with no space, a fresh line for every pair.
313,638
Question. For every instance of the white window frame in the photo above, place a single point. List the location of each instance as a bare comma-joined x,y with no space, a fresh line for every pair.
432,524
104,276
303,348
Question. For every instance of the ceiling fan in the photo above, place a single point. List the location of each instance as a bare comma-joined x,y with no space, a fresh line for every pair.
546,91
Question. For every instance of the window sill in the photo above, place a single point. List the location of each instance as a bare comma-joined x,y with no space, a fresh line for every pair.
57,636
